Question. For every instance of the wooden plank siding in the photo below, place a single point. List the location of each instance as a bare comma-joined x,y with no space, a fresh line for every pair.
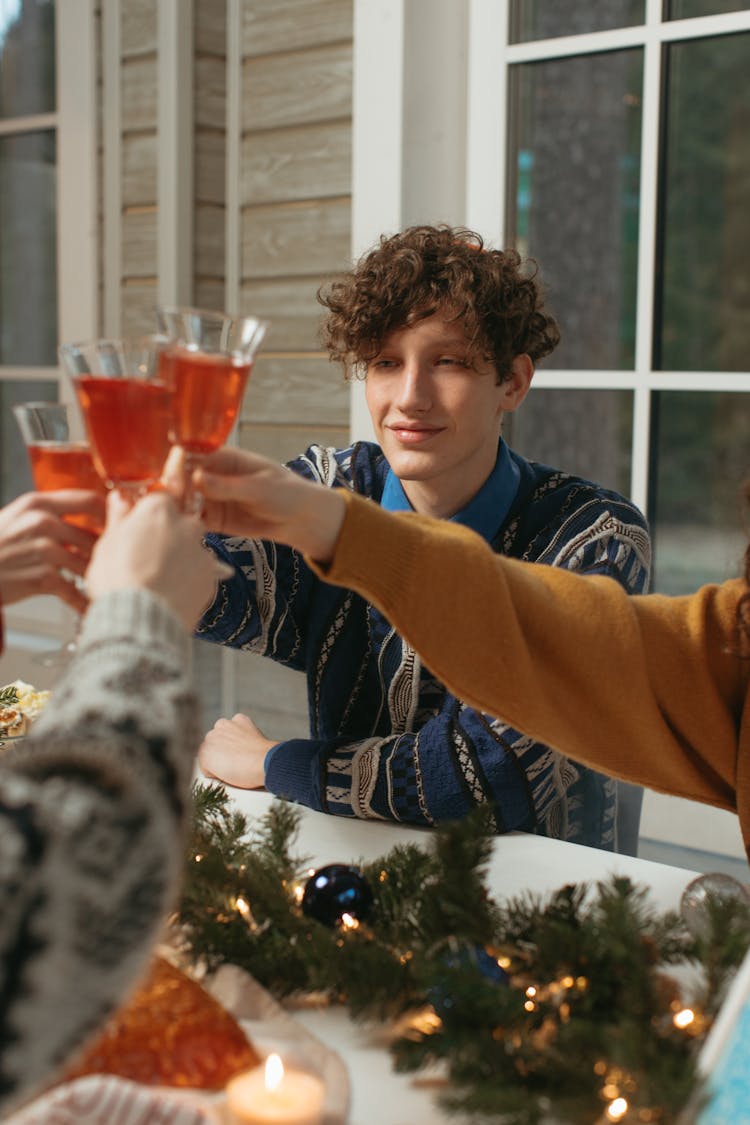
210,153
138,26
283,25
297,389
295,191
139,91
291,305
140,156
298,162
298,86
296,202
294,212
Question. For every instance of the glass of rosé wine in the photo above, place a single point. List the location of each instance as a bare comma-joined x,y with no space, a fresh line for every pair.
207,362
126,406
58,452
60,457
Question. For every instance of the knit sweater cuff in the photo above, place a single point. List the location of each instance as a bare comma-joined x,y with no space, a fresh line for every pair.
138,616
293,771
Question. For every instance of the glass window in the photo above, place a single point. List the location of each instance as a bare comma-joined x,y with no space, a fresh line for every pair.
686,9
28,250
574,171
548,19
15,475
698,518
702,321
587,433
27,57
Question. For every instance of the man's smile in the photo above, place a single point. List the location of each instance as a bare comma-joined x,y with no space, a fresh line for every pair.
413,433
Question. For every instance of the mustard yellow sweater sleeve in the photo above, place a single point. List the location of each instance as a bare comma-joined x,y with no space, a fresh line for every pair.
648,688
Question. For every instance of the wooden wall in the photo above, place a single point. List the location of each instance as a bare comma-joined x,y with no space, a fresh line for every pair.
139,85
139,156
295,192
295,212
209,152
294,225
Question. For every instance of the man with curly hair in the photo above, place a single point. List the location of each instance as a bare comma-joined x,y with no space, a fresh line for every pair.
446,333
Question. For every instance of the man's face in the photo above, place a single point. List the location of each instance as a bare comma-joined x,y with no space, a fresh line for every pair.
436,418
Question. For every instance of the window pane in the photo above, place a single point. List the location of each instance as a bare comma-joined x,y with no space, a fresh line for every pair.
574,156
28,253
587,433
697,514
27,57
547,19
703,323
15,476
686,9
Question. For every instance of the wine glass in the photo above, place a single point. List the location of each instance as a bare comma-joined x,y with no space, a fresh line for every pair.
126,405
207,362
60,457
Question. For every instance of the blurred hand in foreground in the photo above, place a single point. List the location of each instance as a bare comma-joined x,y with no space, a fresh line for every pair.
40,551
155,546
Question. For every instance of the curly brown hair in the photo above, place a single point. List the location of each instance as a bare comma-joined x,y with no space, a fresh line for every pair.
427,269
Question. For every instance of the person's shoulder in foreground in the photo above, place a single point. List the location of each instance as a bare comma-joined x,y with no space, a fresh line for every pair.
94,803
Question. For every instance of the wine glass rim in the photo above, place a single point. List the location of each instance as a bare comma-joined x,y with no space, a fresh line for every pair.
138,338
215,314
36,404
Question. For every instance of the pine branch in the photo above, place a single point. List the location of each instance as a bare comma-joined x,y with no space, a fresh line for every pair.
585,1001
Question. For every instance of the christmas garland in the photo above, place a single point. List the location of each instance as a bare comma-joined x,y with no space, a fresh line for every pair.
564,1008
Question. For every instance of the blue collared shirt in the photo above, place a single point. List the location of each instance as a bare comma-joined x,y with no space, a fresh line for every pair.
486,510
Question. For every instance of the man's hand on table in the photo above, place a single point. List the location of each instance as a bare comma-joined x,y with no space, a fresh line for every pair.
234,751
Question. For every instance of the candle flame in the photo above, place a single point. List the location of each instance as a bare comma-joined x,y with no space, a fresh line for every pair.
274,1072
617,1109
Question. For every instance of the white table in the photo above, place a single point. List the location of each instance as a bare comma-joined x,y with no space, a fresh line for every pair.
519,863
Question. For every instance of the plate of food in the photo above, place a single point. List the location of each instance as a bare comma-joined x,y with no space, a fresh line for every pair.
20,705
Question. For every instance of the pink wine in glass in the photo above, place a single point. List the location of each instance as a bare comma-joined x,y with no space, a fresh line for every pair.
60,464
128,423
208,390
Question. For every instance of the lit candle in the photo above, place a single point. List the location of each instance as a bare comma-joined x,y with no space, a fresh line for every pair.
273,1095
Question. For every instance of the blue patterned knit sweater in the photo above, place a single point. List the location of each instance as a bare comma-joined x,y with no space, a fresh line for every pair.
387,740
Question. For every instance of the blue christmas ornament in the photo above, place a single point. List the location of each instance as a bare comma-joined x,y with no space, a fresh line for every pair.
443,999
335,890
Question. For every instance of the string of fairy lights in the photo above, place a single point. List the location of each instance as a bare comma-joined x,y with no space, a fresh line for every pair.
568,1004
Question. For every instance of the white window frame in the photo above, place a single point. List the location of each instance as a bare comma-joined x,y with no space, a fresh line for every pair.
490,56
386,113
665,819
32,623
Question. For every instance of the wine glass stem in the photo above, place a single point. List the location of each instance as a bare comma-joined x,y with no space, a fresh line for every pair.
193,500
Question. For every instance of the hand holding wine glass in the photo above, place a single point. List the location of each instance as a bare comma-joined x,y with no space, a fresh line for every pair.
41,552
207,362
59,455
61,465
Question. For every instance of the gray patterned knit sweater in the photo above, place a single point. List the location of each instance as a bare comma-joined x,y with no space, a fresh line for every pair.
93,809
